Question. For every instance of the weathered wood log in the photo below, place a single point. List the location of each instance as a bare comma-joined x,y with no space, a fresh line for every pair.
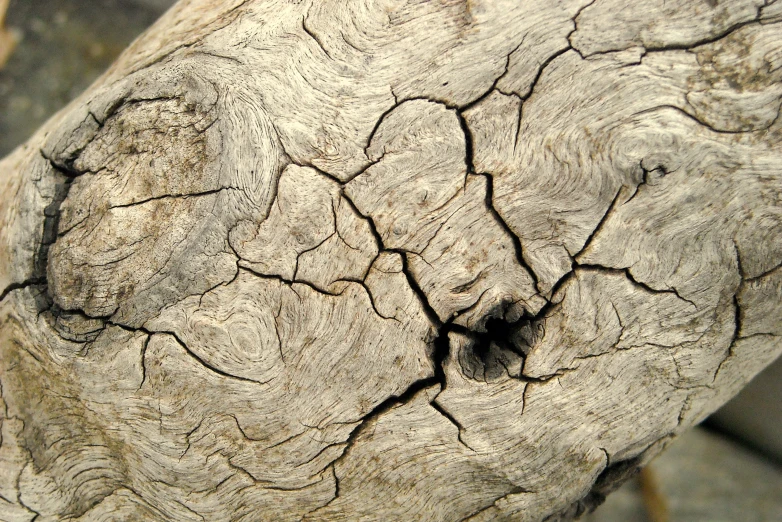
389,261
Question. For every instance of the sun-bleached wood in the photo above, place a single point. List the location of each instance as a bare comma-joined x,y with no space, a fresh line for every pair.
389,261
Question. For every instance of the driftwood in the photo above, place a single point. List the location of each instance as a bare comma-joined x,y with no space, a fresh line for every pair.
384,261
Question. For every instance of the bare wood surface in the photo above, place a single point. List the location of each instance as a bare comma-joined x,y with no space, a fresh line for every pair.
389,261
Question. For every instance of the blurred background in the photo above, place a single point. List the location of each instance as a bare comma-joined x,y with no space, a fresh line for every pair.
728,469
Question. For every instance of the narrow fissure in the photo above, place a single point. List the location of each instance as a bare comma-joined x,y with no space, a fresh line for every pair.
640,284
43,299
515,239
599,225
35,281
206,364
61,320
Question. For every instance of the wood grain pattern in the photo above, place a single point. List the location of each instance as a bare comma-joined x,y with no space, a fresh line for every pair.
389,260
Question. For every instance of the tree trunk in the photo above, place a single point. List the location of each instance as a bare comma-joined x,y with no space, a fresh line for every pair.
382,261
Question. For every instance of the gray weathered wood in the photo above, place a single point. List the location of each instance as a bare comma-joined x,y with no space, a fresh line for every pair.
389,261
